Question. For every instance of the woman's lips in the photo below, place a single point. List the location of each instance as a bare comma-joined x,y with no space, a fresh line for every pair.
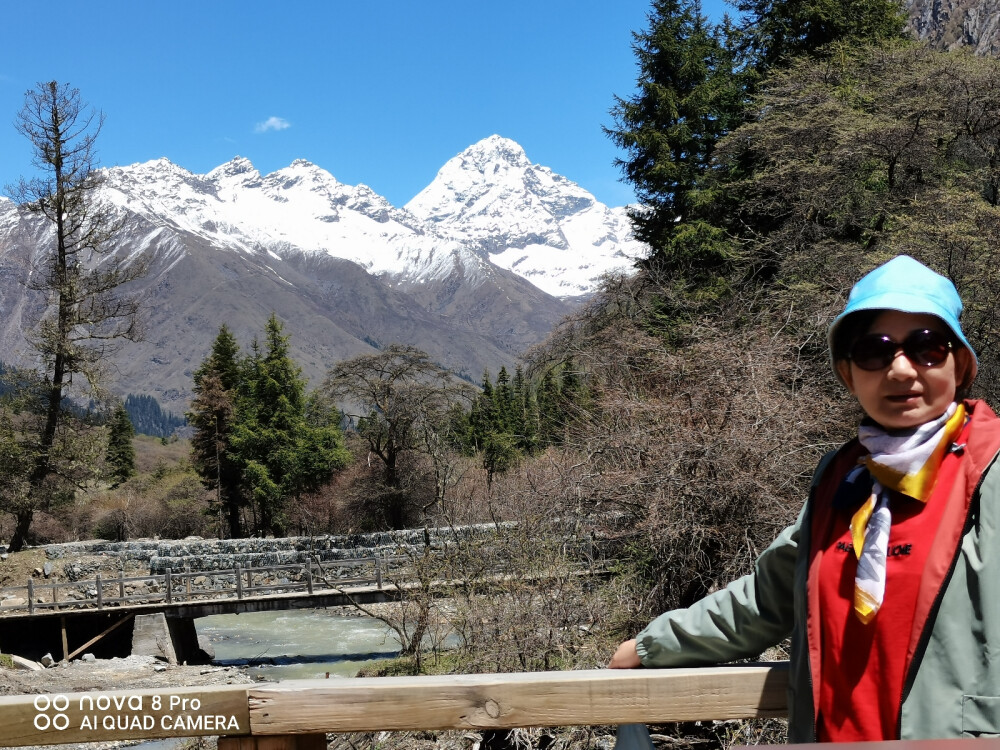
902,398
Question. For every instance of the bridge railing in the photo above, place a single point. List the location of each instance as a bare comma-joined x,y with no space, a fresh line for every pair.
299,714
177,586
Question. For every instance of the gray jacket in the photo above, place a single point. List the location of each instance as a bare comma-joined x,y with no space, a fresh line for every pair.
952,687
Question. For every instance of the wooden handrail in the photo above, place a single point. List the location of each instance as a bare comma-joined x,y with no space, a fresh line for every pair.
304,708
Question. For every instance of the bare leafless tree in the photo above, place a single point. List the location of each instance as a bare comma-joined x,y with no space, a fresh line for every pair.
401,402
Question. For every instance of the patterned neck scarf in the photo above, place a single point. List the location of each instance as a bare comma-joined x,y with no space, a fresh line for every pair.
904,461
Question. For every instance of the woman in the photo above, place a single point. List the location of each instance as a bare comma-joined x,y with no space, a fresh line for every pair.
889,580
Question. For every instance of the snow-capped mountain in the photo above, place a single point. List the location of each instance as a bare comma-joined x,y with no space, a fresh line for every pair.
479,266
526,218
489,203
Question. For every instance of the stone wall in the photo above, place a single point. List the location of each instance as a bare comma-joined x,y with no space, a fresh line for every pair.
197,554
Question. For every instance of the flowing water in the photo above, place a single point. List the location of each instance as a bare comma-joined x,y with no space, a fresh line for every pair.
298,644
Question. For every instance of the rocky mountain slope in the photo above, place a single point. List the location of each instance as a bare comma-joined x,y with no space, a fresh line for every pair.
950,24
476,268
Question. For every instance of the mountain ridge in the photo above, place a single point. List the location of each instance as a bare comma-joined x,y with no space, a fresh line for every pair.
344,269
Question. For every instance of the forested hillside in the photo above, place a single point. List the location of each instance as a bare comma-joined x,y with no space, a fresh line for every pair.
778,161
149,418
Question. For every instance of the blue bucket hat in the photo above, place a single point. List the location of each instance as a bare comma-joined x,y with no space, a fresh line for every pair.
906,285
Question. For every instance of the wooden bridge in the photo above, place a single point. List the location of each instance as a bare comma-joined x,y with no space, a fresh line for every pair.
99,614
297,715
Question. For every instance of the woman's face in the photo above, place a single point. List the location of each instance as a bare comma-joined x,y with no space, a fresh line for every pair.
904,393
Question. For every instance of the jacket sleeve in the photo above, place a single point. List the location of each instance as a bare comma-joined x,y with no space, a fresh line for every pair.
737,622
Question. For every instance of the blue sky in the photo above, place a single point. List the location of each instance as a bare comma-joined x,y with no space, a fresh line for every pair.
373,91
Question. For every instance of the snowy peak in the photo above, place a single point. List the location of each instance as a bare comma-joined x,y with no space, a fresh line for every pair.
526,218
239,168
491,154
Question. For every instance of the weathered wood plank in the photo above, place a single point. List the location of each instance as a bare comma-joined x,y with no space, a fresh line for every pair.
57,718
521,700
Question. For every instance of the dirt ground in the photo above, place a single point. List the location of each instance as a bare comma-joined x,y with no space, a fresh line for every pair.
130,673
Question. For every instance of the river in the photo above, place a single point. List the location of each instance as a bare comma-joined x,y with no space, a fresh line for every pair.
298,644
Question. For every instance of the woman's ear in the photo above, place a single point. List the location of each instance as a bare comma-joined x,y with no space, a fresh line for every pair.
963,368
844,370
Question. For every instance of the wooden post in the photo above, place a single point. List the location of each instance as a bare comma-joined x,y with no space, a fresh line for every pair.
239,582
166,580
65,641
378,571
100,593
55,595
187,577
309,576
250,581
31,597
121,583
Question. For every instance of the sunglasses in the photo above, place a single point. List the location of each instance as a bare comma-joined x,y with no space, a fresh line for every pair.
876,351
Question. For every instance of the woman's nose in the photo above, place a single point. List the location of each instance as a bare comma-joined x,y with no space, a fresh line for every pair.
901,368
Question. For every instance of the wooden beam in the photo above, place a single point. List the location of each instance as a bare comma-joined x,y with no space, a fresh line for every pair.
499,701
96,638
296,715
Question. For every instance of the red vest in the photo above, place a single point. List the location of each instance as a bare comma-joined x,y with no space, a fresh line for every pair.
951,500
862,666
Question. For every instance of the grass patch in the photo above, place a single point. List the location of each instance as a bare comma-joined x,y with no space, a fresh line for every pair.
403,666
6,662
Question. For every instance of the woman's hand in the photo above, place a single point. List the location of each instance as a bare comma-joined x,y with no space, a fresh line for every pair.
626,657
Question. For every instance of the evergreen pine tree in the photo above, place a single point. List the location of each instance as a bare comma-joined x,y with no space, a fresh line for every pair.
548,410
217,382
280,454
483,416
120,456
211,416
223,361
525,424
689,97
572,392
503,401
774,31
